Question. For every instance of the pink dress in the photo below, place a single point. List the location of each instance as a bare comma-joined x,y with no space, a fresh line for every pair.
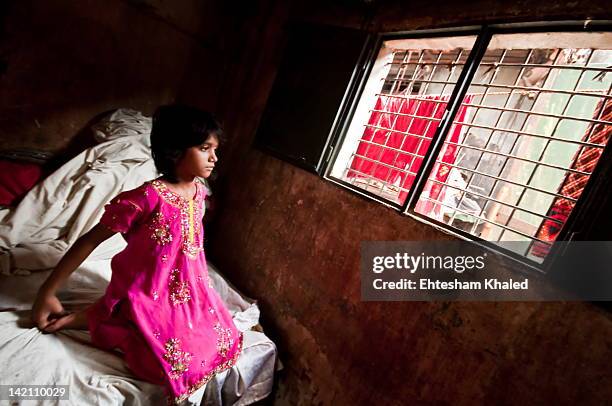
160,308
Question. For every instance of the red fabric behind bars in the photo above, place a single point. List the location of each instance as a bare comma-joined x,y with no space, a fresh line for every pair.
402,137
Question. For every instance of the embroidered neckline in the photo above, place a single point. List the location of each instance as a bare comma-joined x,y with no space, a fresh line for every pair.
171,196
190,215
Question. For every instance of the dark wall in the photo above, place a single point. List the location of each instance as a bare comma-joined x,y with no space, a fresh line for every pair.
64,62
291,240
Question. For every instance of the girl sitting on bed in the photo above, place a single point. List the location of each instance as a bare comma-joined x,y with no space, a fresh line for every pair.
159,309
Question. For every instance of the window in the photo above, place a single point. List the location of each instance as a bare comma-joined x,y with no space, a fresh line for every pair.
492,134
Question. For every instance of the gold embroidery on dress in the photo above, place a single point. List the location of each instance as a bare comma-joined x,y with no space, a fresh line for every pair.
179,360
179,290
190,217
191,222
224,339
161,229
228,363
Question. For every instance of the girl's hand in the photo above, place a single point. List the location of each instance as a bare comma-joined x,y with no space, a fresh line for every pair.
46,310
76,321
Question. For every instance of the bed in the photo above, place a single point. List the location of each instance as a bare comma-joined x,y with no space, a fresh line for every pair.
33,237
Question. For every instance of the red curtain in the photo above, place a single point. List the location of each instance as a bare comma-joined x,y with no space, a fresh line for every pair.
573,184
403,126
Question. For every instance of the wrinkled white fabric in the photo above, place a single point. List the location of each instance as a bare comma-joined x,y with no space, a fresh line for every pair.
70,201
121,123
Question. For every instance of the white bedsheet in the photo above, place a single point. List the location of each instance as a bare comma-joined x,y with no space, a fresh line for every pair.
34,236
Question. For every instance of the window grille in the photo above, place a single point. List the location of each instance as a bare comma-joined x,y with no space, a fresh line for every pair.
527,136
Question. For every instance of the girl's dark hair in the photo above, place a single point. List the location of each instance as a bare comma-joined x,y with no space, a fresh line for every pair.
175,128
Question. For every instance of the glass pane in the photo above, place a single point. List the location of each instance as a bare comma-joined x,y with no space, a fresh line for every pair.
398,113
534,123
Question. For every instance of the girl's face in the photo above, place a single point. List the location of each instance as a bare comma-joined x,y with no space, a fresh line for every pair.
199,160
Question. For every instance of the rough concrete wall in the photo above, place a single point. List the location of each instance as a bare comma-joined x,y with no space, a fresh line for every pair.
64,62
291,240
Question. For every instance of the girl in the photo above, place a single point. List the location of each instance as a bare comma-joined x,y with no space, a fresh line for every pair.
159,309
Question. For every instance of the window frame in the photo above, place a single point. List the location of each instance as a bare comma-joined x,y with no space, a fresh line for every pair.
484,34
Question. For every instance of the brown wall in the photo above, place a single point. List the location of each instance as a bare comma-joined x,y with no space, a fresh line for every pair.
64,62
291,240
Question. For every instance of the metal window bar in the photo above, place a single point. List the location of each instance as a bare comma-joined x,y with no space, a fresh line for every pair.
421,139
529,89
463,168
415,97
506,103
438,105
535,113
521,134
406,91
535,167
511,110
492,78
395,84
399,132
535,65
543,152
427,63
491,199
390,186
384,108
385,165
490,136
387,101
485,220
405,115
579,152
452,108
389,148
518,65
526,89
510,156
